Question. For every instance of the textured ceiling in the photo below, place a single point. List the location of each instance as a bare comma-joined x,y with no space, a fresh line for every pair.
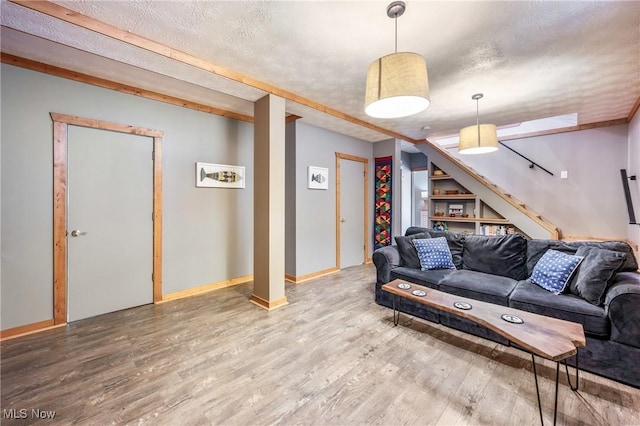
530,59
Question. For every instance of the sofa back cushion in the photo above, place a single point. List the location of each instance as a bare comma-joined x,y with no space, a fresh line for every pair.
537,248
408,254
455,242
505,255
415,230
630,263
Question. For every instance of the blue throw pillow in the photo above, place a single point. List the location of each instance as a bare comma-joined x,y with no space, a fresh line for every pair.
554,270
434,253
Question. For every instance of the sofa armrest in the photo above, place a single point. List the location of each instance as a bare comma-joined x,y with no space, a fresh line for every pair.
622,302
385,259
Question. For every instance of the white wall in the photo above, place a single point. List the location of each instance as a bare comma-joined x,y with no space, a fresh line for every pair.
407,191
633,168
590,203
207,233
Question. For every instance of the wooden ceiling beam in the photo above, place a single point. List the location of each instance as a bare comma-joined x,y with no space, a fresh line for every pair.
92,24
585,126
634,110
108,84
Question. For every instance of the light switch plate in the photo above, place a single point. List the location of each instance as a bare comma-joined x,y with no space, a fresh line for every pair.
564,174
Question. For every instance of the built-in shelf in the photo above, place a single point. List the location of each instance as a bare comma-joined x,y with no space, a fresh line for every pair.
469,219
454,197
489,222
439,177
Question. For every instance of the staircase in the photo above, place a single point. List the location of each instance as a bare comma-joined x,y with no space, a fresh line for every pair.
520,215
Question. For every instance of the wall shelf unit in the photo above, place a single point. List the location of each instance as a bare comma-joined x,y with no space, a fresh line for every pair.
472,216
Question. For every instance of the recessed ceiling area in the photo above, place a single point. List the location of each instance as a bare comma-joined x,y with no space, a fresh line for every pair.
531,59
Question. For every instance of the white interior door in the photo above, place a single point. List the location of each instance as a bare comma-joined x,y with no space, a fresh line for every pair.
109,219
351,213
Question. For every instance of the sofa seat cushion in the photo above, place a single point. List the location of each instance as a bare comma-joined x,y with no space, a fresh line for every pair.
531,298
479,286
426,278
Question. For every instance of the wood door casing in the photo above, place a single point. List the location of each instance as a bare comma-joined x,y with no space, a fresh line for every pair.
60,148
365,164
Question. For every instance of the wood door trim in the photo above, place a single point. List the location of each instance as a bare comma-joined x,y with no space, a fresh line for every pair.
59,222
157,219
60,167
365,166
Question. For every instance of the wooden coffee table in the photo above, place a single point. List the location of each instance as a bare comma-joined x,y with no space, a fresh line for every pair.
547,337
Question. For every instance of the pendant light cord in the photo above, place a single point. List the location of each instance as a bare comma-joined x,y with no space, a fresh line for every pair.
396,22
478,119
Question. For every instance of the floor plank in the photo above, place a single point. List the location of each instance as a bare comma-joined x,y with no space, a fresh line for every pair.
332,356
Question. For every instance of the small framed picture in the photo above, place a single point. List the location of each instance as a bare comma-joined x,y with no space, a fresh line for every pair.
318,178
219,176
456,209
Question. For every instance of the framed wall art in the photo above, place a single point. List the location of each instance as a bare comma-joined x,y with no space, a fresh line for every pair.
317,178
219,176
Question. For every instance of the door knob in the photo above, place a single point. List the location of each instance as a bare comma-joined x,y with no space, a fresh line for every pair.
77,233
342,220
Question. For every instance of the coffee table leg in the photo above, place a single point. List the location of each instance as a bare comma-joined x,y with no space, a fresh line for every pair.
573,388
555,404
535,375
396,312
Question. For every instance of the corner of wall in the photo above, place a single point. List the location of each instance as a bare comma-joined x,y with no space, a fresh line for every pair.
633,168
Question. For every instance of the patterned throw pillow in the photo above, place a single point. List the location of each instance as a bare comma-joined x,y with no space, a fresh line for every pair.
434,253
554,270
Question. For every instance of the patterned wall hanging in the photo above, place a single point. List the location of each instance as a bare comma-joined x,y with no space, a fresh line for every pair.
382,228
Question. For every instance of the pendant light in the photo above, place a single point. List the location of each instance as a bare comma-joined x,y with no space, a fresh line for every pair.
478,139
397,84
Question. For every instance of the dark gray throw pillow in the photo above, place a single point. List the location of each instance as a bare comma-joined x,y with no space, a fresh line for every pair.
408,253
597,268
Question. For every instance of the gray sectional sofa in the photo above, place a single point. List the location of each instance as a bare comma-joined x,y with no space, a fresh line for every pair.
603,296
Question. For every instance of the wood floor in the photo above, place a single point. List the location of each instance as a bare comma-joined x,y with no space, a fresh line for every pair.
332,356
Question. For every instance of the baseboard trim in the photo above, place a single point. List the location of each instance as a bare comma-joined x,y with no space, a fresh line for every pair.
205,288
268,305
306,277
23,330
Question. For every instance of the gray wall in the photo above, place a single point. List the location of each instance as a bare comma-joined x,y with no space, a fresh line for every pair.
207,233
590,203
418,160
633,168
315,232
290,200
